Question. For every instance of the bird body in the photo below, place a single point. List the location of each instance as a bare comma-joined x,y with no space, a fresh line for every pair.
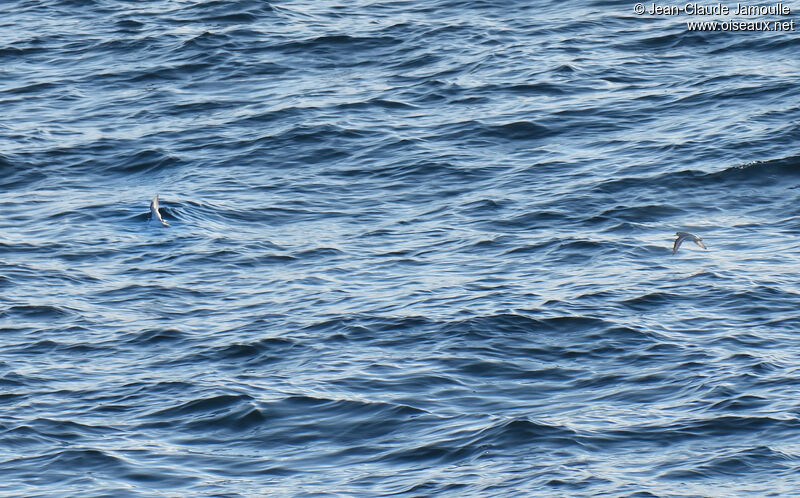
687,236
154,214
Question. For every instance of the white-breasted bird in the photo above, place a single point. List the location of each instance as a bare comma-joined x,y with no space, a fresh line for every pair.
687,236
154,214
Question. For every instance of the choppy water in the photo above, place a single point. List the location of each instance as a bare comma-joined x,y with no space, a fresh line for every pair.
416,247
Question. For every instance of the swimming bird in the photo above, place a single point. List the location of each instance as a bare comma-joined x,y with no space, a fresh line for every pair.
154,214
687,236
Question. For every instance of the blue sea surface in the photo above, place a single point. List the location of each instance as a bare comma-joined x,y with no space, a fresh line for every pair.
415,248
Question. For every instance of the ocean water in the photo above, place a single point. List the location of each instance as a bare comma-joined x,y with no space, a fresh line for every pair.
415,248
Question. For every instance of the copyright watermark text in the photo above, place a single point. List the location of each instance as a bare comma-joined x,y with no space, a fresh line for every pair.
742,11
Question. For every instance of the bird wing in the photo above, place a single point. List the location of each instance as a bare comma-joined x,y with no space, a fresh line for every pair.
677,243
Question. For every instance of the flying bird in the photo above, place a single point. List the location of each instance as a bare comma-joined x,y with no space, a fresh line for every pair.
154,214
687,236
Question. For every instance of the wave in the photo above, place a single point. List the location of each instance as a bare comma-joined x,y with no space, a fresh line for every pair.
415,248
38,312
755,174
515,130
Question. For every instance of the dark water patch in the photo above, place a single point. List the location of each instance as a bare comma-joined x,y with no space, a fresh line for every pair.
371,104
410,384
421,169
416,62
368,325
651,300
298,137
505,324
60,461
518,130
789,323
37,312
84,214
240,261
281,115
23,437
11,53
508,435
485,205
735,463
757,44
729,427
580,484
201,10
6,282
100,158
481,246
742,341
13,380
626,336
238,419
335,45
261,353
320,252
437,453
11,398
239,18
583,247
157,336
164,387
192,211
535,89
624,227
483,368
742,403
130,24
193,408
151,80
31,88
69,430
756,174
38,347
696,40
130,291
114,46
180,109
7,167
642,213
536,218
268,420
208,43
146,161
